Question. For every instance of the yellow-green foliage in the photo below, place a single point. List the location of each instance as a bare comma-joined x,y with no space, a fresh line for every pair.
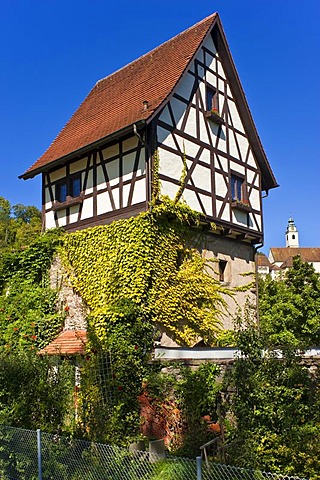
147,260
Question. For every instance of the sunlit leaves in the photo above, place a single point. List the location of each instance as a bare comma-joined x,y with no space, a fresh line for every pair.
148,260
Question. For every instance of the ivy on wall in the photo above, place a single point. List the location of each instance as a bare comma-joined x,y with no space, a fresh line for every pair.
148,260
139,277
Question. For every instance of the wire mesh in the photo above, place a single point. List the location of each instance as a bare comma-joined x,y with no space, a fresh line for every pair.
18,454
71,459
102,375
216,471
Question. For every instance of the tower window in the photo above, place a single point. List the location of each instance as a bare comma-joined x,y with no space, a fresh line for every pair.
211,99
61,191
237,189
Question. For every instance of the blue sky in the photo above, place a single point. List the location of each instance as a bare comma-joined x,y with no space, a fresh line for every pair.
53,52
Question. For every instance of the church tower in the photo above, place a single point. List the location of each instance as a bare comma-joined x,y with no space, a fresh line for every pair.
292,235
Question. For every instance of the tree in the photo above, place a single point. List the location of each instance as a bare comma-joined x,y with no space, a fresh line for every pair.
290,309
274,407
19,225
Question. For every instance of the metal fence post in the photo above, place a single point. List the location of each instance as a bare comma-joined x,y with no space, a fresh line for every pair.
199,464
39,454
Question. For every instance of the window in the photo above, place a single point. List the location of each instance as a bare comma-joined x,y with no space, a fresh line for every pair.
61,191
71,188
222,268
237,189
75,186
211,99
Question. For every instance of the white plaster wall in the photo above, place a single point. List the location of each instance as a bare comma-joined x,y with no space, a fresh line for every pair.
258,219
165,116
139,192
127,166
316,266
168,188
237,168
48,203
191,127
237,123
58,174
226,213
125,194
113,172
111,151
171,165
103,203
179,109
207,203
221,187
221,70
255,199
74,210
191,199
251,160
116,197
79,165
89,188
233,150
202,178
61,216
130,143
101,184
50,223
87,208
186,86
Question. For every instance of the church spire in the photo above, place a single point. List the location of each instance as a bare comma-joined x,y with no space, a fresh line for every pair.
292,235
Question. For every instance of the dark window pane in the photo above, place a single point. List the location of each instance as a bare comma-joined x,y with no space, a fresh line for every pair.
239,189
210,99
61,192
233,188
236,188
75,187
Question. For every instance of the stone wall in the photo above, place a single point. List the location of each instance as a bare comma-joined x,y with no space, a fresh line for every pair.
68,299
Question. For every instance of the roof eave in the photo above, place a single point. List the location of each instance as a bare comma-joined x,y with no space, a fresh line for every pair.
82,151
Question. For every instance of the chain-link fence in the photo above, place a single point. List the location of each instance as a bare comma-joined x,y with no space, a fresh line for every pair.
30,455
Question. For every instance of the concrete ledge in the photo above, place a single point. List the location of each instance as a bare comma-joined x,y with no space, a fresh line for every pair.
203,353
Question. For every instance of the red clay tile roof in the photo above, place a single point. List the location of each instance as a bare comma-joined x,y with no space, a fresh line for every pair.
116,101
69,342
307,254
262,260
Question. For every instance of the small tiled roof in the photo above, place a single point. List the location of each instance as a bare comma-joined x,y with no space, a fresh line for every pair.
69,342
307,254
116,101
262,260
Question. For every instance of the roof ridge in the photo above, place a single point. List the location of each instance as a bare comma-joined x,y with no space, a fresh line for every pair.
213,15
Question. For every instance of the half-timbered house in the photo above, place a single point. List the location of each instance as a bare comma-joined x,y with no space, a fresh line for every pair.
183,100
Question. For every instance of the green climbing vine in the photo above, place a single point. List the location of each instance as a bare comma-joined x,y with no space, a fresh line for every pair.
156,187
149,261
